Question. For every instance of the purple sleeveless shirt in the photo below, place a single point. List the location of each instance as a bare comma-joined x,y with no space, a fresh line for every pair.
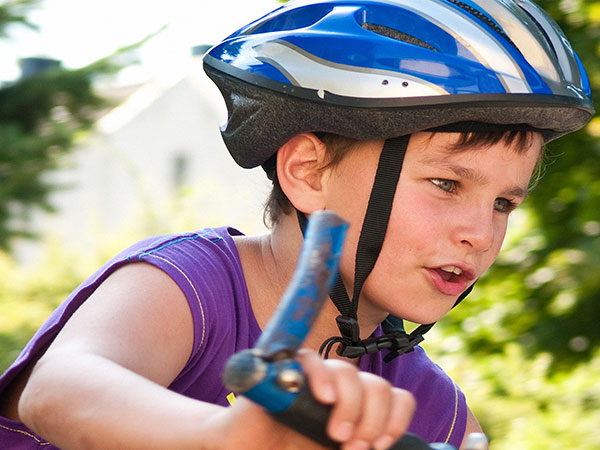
206,267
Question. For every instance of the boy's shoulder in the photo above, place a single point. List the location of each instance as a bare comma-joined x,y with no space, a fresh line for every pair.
206,238
185,257
205,260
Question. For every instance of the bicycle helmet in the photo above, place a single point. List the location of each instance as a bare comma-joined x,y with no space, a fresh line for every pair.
385,69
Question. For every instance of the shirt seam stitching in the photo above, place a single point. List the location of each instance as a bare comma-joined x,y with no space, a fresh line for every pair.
455,413
39,441
193,288
204,234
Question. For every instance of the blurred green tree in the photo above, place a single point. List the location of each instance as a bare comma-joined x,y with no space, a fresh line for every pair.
40,116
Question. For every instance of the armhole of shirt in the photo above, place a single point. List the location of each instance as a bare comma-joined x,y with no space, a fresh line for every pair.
185,284
459,420
183,270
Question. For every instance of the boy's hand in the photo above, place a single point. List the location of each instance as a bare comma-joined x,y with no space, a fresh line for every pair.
367,411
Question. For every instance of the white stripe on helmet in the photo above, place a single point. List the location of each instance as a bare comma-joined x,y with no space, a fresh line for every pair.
561,45
525,34
306,70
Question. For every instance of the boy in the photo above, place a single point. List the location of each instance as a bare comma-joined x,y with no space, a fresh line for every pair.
336,99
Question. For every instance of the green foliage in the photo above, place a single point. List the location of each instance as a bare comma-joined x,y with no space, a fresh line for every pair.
14,12
40,118
522,404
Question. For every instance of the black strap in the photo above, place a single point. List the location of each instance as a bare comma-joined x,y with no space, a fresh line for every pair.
395,326
378,212
397,342
374,224
369,246
462,296
302,221
404,342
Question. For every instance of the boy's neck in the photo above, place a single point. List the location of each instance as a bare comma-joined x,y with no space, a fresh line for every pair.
269,262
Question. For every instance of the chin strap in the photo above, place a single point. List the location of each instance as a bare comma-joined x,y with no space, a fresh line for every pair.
394,338
369,246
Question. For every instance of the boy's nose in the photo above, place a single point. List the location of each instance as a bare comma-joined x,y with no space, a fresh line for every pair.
477,231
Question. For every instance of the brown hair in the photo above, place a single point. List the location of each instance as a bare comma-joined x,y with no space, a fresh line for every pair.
277,203
519,140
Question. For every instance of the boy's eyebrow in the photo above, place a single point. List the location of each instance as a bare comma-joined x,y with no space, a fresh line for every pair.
474,175
518,192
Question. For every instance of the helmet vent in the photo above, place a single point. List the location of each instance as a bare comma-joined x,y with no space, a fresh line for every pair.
398,35
485,19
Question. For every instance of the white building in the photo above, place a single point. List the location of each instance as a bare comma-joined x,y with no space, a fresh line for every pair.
158,145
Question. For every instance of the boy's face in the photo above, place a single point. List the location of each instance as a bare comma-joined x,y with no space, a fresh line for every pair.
447,224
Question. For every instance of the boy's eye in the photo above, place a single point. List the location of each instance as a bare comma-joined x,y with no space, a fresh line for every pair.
443,184
504,205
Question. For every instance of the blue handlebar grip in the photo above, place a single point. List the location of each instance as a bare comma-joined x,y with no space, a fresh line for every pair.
309,288
254,372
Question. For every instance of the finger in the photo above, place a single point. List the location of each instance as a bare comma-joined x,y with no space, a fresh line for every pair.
376,405
402,408
335,382
346,411
319,377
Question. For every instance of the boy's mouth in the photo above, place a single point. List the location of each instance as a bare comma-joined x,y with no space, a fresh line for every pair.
448,273
451,280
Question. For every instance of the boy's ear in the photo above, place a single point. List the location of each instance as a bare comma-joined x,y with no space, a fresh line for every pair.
300,174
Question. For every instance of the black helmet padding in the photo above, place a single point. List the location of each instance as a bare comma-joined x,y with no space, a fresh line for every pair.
261,120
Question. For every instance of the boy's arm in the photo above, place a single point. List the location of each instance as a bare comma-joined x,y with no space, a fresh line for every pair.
101,384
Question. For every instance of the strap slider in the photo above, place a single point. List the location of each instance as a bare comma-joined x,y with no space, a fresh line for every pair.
403,343
349,328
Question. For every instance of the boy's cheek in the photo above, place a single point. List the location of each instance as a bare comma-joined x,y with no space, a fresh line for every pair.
500,236
493,255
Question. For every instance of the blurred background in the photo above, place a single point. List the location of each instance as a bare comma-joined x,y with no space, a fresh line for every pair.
109,133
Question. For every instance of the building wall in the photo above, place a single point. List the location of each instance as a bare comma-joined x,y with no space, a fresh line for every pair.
160,145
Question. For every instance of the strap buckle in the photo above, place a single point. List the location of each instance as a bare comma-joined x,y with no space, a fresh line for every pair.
397,342
351,346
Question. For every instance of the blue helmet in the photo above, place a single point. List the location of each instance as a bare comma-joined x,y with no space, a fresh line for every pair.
376,69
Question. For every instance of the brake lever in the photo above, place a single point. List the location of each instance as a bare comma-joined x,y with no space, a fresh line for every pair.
268,374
